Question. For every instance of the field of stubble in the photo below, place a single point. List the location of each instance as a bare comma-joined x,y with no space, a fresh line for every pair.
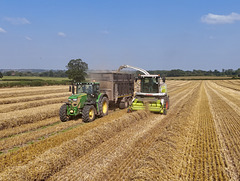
198,139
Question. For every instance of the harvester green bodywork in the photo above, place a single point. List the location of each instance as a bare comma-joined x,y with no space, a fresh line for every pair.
152,96
154,106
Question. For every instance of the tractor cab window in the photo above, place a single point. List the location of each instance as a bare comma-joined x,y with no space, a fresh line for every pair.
96,89
149,85
85,88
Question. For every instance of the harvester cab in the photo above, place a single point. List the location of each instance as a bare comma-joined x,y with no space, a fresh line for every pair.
152,95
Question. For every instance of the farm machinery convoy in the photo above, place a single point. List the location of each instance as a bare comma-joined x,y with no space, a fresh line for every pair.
92,99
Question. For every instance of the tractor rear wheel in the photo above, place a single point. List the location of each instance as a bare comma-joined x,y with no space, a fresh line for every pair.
63,113
104,105
88,113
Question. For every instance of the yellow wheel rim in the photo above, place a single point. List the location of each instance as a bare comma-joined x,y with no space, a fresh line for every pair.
105,107
91,113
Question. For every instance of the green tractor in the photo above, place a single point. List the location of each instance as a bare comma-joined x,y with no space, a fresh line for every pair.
88,101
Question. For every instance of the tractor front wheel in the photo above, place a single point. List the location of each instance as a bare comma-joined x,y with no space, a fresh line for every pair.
88,113
63,113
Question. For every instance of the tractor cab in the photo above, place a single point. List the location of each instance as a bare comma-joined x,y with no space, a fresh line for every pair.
91,88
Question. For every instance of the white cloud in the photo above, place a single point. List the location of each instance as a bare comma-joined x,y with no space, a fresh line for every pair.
61,34
2,30
28,38
17,21
220,19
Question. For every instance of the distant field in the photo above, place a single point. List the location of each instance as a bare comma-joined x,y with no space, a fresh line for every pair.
31,78
12,81
199,78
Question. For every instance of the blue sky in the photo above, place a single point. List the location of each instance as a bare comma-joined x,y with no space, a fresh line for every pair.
151,34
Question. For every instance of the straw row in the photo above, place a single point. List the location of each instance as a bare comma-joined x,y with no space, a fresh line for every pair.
31,98
24,91
28,127
228,85
17,118
56,158
226,118
32,136
30,152
30,104
164,131
96,164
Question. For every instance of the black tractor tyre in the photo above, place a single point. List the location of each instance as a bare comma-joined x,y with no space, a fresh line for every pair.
104,106
63,113
88,113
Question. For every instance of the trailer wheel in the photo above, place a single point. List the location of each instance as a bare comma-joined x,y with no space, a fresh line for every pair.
63,113
88,113
123,104
103,107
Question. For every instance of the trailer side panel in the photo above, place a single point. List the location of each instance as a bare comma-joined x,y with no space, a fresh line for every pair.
115,85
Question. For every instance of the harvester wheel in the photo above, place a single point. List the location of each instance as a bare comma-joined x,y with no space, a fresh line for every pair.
63,113
103,107
166,100
164,110
88,113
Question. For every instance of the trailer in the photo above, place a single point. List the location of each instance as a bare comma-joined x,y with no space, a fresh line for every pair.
92,99
119,87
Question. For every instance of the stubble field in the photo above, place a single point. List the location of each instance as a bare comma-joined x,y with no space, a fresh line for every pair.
198,139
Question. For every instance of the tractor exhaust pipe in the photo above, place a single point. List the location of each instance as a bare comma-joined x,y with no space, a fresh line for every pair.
72,89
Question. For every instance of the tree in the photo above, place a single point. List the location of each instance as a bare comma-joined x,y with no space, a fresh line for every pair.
1,75
77,70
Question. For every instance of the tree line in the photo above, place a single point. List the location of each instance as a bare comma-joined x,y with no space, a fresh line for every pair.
77,70
182,73
48,73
